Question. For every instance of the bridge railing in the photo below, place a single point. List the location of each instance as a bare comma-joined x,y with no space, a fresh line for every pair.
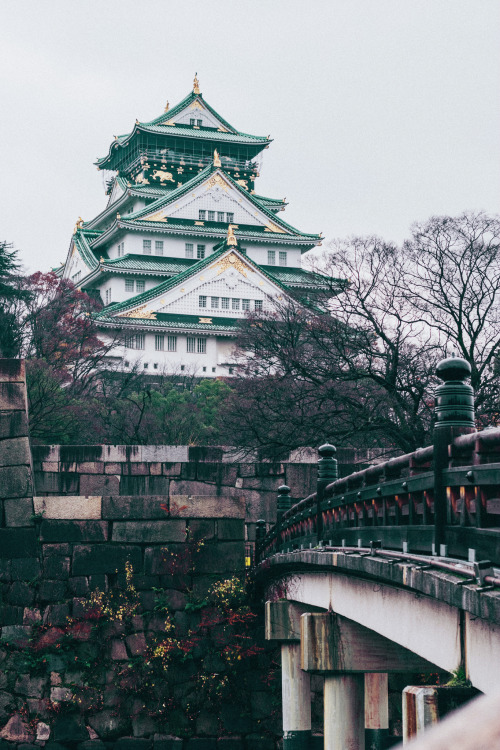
441,500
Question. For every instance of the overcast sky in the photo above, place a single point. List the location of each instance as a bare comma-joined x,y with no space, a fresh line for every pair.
383,112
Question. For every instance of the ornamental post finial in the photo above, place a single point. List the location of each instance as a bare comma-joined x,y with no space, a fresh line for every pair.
196,84
78,225
217,159
231,239
167,105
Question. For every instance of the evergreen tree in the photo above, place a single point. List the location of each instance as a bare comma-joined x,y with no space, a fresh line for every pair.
11,293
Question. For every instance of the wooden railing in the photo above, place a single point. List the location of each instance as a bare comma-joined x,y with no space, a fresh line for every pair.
442,500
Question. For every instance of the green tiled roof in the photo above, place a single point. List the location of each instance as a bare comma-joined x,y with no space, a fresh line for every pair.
298,277
82,239
189,99
200,178
175,321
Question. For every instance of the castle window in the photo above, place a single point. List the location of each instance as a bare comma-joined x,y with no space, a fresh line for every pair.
230,370
245,304
202,300
214,303
129,342
108,296
146,365
183,367
129,285
140,340
282,259
198,122
213,369
191,344
229,218
258,304
202,215
146,247
220,215
155,365
191,120
211,215
236,304
140,286
202,346
189,249
171,343
159,342
200,251
225,303
121,249
158,247
271,257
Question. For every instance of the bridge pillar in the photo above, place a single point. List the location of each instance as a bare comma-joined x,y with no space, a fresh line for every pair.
283,624
344,725
376,710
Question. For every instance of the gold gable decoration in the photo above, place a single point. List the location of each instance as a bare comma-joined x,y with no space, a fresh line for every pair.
217,162
156,217
139,313
217,180
270,227
231,261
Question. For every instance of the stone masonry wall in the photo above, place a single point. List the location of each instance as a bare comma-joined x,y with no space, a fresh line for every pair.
109,630
171,471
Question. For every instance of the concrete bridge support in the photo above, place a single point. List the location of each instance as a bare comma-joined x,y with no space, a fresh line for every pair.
349,656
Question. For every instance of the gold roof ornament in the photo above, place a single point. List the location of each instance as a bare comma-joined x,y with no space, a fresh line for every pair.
78,225
167,105
231,239
196,84
118,215
136,121
217,162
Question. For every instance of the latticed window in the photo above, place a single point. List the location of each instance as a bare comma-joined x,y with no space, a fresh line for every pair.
158,247
130,342
211,215
200,251
171,343
214,303
229,217
108,296
258,304
282,258
146,247
159,342
236,304
140,286
271,257
202,346
224,303
202,301
129,285
198,122
121,249
202,214
140,340
245,304
220,215
189,250
191,344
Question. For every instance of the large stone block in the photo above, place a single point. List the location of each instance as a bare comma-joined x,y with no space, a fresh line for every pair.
73,531
69,507
57,567
16,481
157,562
301,478
201,528
143,485
25,568
18,511
149,531
99,484
12,396
57,483
134,507
16,543
221,557
231,528
15,451
90,467
11,615
170,469
104,558
13,424
165,453
12,370
51,591
204,506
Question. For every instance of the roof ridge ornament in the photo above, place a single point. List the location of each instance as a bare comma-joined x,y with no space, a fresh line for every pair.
196,84
167,106
78,225
231,238
217,162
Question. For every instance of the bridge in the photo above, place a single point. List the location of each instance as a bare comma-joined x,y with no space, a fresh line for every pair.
390,570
